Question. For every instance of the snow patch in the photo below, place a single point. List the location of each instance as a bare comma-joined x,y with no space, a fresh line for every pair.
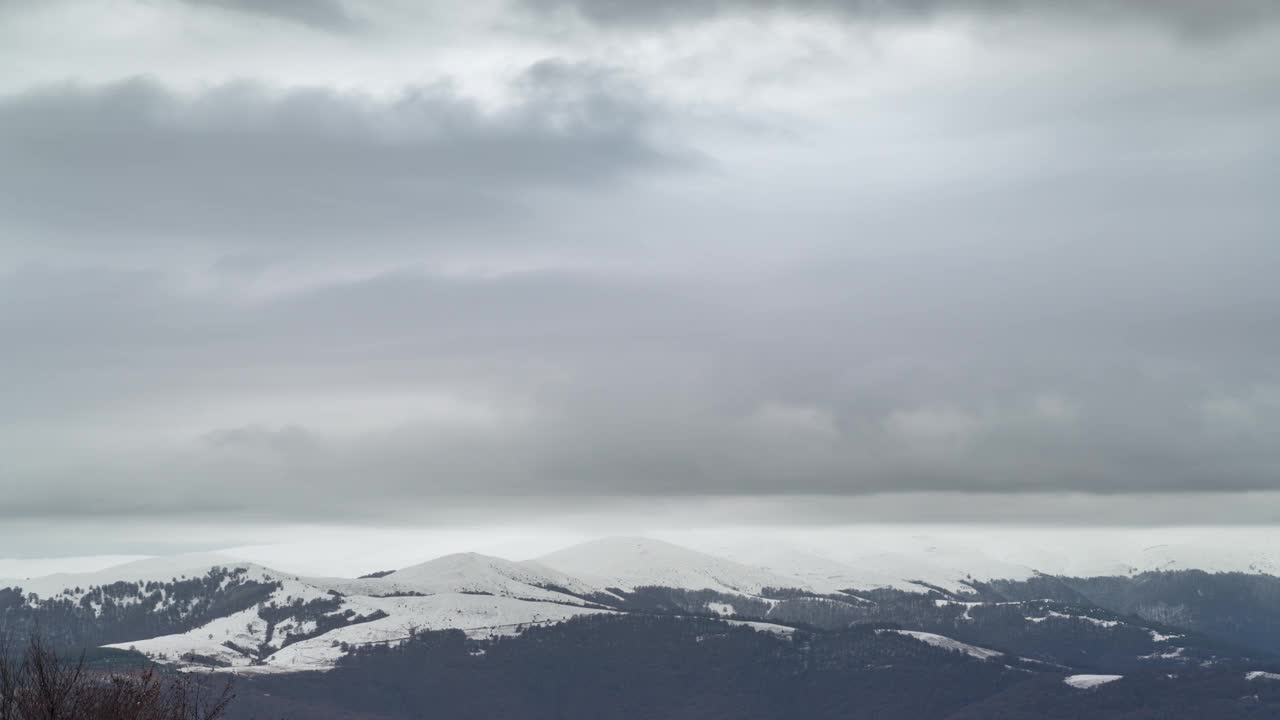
1064,616
782,630
721,608
1084,682
946,643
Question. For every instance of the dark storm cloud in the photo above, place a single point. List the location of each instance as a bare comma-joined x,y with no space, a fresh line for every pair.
320,14
134,161
1192,17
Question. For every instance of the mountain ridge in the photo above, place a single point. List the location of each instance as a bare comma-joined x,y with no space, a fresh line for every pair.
222,613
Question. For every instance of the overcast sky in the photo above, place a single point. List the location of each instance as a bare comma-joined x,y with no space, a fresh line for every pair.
272,262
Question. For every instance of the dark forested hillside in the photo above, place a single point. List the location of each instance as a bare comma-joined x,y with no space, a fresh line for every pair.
1200,695
123,611
625,667
1239,608
1068,630
650,667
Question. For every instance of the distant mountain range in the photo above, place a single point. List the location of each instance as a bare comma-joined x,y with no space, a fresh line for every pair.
222,615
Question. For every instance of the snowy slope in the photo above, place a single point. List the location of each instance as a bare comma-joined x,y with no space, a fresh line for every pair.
16,570
913,571
911,563
1208,558
472,573
226,639
940,563
479,615
817,572
155,569
946,643
628,563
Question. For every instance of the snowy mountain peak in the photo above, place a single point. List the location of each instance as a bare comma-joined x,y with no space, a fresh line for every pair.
630,562
471,573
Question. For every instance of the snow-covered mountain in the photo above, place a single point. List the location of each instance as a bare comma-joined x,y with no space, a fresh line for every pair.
245,642
627,563
817,572
1212,558
42,567
475,574
152,569
219,612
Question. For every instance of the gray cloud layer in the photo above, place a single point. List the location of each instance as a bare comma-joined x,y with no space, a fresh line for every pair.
242,163
320,14
1027,271
1192,17
593,387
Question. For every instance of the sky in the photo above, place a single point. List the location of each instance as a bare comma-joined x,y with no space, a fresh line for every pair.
279,267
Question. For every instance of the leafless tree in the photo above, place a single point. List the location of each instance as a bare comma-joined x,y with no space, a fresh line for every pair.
41,685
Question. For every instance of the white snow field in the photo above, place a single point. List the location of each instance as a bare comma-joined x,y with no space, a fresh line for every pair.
478,615
1084,682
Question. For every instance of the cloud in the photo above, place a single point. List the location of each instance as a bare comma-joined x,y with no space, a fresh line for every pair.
386,396
135,161
321,14
925,266
258,440
1185,16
